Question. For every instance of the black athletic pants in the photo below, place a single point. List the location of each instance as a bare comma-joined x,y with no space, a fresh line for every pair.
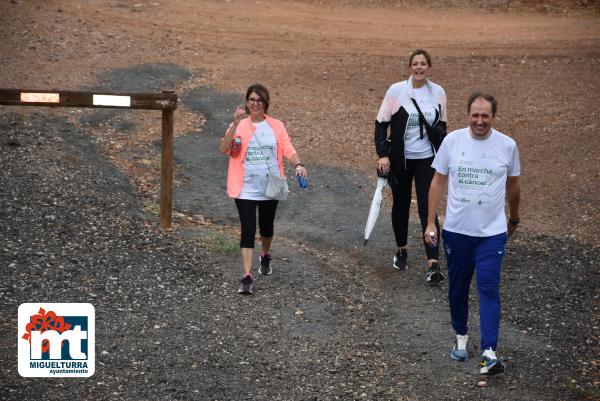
266,217
422,172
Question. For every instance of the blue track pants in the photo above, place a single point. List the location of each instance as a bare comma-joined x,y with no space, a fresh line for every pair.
466,254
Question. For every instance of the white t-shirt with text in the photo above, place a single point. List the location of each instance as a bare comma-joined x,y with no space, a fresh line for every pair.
415,146
261,152
477,171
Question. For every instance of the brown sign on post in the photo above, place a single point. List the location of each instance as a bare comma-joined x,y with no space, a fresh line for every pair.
165,101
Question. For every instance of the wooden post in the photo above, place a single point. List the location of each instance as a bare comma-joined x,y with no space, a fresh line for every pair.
165,101
166,169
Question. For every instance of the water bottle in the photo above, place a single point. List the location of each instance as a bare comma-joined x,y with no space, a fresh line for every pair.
301,181
236,146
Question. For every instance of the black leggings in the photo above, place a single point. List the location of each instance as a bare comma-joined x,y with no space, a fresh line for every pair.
266,217
423,173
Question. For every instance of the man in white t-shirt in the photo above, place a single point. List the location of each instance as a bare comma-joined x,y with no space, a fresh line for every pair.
481,166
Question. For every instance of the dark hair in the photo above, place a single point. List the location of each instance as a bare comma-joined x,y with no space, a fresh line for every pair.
416,53
262,92
484,96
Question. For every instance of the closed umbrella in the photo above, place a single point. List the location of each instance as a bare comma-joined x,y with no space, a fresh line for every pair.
375,207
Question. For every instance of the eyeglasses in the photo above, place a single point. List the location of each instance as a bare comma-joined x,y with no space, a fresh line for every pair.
256,100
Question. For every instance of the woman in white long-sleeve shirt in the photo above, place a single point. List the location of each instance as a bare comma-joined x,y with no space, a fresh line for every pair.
405,152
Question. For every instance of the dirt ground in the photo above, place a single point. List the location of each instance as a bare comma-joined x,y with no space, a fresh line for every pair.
328,65
333,322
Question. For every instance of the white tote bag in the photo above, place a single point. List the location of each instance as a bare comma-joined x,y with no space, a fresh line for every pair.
277,187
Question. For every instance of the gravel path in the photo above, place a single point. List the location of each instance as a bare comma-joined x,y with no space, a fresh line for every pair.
334,321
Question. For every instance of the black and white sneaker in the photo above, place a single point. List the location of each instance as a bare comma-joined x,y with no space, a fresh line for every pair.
434,275
246,287
400,260
490,364
265,264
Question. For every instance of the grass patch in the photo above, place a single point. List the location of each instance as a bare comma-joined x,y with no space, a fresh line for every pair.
179,168
219,243
582,393
153,208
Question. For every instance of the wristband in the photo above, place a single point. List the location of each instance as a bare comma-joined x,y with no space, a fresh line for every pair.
514,222
299,165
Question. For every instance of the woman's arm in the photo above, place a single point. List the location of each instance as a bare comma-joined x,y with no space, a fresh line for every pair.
300,169
290,153
380,135
225,145
444,106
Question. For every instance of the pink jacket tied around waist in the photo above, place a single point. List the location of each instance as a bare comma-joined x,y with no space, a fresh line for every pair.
245,130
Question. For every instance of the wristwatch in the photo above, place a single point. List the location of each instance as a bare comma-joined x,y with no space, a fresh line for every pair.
514,222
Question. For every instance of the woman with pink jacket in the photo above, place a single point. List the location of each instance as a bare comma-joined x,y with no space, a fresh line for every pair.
264,144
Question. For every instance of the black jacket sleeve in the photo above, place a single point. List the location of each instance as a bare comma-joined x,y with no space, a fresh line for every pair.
382,145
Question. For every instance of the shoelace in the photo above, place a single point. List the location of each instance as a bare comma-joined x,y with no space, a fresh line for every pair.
490,354
461,342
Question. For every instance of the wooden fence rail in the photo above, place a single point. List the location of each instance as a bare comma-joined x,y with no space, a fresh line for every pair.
165,101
